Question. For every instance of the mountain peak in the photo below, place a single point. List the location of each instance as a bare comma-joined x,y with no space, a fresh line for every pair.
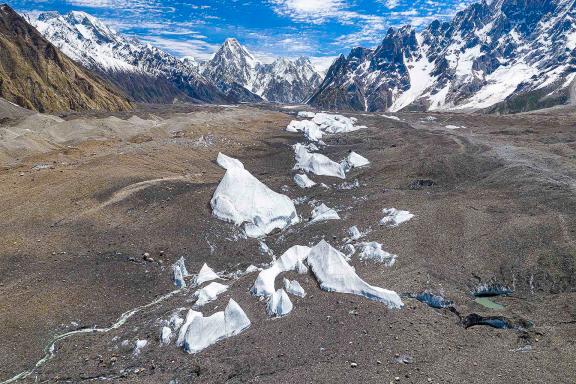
231,41
86,19
233,49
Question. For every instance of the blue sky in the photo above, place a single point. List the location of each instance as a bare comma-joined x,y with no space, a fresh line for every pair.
317,28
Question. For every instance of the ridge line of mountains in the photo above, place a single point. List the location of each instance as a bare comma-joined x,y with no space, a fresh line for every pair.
151,75
505,56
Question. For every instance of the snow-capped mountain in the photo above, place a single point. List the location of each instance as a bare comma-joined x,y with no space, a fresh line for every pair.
287,81
237,73
505,56
144,72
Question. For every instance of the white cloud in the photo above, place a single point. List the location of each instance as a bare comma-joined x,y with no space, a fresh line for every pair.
312,11
392,3
321,11
191,47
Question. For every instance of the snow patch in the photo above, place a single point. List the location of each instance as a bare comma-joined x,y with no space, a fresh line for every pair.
394,217
373,251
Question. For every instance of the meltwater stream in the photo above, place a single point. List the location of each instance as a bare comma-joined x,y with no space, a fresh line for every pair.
49,349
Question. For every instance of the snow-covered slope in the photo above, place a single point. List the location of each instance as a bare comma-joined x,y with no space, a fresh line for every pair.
144,72
238,73
506,55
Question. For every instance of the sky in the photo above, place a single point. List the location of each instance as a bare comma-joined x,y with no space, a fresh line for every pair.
321,29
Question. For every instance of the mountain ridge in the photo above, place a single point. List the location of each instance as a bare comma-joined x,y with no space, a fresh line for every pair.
493,57
234,69
142,71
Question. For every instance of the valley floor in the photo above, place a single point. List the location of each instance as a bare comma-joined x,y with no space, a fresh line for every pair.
84,197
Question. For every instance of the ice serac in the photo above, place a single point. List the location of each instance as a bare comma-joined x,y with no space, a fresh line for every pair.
179,272
492,55
190,316
303,181
206,331
331,123
323,213
394,217
291,260
242,199
306,114
178,276
335,275
293,287
316,163
354,233
228,162
209,293
279,304
181,263
311,130
165,335
206,274
355,160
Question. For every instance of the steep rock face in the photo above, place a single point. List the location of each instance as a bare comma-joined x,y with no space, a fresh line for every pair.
237,73
36,75
497,56
144,72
